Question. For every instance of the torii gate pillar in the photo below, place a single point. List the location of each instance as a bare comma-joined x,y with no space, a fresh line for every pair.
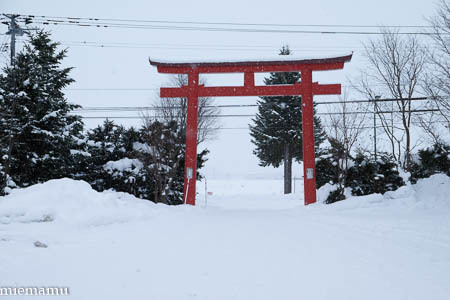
190,169
307,89
309,164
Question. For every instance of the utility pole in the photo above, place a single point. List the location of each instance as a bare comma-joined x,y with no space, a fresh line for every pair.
13,30
375,125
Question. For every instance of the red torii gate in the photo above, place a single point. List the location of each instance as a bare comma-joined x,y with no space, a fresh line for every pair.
307,89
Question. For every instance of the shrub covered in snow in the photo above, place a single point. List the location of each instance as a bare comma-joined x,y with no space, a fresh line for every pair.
361,174
148,163
368,176
433,160
332,167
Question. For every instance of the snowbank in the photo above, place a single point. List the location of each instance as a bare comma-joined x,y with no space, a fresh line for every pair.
431,193
260,246
71,201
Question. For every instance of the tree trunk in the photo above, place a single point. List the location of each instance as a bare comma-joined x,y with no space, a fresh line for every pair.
287,170
408,150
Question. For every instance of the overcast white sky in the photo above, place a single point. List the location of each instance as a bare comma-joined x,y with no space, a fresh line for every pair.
127,67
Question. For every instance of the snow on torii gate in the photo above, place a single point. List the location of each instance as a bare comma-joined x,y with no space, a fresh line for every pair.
306,88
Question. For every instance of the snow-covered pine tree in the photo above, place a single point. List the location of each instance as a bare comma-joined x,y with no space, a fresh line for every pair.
112,163
163,156
432,160
39,137
148,163
277,128
104,144
369,176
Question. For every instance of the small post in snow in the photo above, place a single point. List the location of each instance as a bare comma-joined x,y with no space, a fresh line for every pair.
206,192
189,174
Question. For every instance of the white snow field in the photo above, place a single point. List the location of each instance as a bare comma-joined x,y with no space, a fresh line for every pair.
250,242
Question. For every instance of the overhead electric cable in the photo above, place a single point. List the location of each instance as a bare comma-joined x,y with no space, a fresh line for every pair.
211,26
226,23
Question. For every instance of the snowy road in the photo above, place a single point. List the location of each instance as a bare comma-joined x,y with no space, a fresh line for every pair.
241,247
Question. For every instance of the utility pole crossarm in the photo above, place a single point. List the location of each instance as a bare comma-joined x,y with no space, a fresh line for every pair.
13,30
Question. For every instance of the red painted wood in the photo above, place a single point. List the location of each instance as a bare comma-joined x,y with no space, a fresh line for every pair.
191,138
249,79
307,89
253,69
333,63
308,137
248,90
326,89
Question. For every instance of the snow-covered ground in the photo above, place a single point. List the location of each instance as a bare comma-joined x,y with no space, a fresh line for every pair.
249,242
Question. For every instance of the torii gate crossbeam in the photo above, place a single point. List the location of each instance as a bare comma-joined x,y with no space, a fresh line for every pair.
306,88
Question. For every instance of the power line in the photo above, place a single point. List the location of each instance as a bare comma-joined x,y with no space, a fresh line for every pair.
176,46
199,45
242,30
253,115
232,23
113,46
146,108
132,45
167,25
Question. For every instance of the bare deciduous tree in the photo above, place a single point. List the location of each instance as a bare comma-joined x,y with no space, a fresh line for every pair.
175,109
437,82
430,126
345,129
395,69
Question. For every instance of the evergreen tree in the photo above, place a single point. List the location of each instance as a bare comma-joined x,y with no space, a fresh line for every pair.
329,166
148,163
39,138
364,176
433,160
277,128
109,143
368,176
163,156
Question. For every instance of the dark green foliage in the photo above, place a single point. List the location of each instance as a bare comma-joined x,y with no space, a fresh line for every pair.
368,176
148,163
162,154
332,167
3,181
433,160
38,135
332,164
327,170
335,196
278,122
277,128
361,174
165,162
109,142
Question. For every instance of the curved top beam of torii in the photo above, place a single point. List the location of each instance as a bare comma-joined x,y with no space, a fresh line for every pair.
285,64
